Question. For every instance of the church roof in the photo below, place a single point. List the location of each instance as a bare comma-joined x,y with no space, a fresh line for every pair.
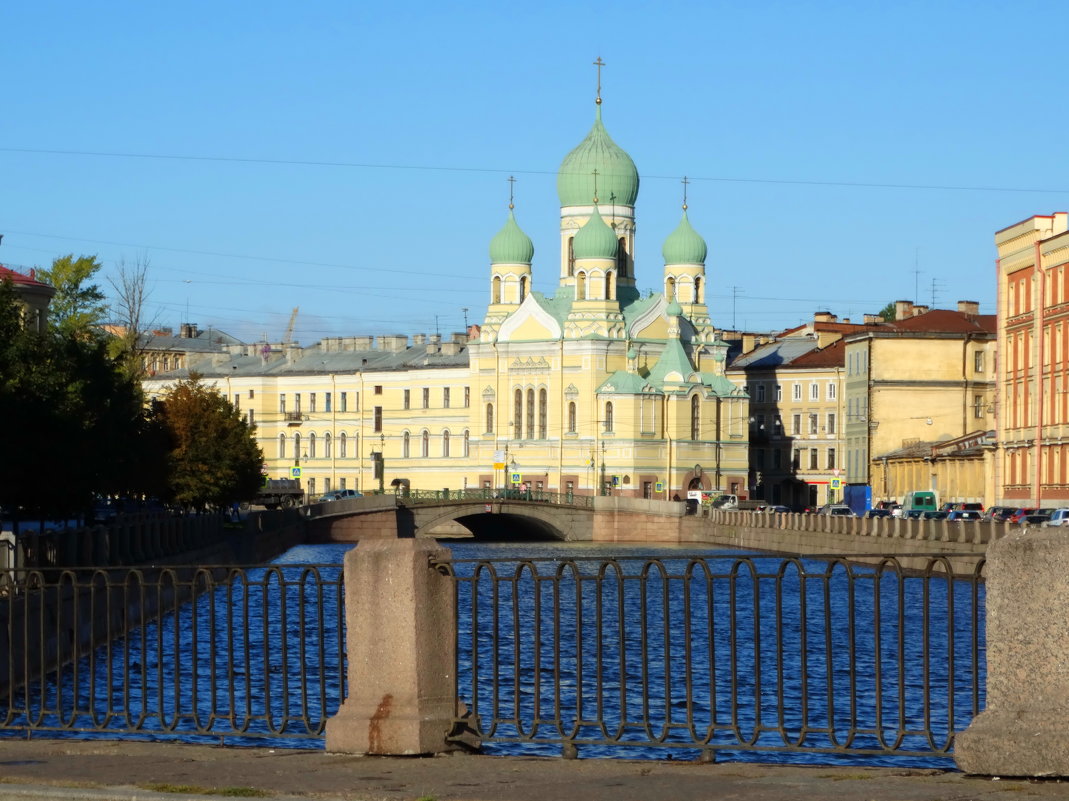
684,245
623,382
617,177
595,240
511,245
673,360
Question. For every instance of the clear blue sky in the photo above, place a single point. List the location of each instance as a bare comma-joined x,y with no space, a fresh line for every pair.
351,158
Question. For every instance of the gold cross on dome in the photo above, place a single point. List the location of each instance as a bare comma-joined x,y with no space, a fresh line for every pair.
599,64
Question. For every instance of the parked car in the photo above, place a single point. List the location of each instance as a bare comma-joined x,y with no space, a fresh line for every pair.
913,514
878,513
998,514
337,495
777,509
837,510
938,515
1019,515
1034,520
964,514
1059,518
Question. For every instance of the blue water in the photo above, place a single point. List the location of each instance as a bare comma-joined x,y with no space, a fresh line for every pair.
690,655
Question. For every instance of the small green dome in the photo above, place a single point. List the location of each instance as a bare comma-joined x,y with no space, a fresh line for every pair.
617,177
684,245
511,245
595,240
674,309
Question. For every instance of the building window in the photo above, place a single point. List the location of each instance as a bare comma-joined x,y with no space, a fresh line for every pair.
608,417
311,401
378,389
489,418
377,428
467,444
312,445
281,446
406,403
978,406
543,414
312,487
796,423
445,444
237,401
796,458
252,417
445,397
978,361
326,446
297,402
814,391
425,444
342,442
406,445
426,397
297,448
341,483
812,458
777,426
796,392
530,414
779,393
695,414
831,390
759,396
343,402
326,402
813,426
831,423
467,397
831,459
517,413
281,404
326,485
571,417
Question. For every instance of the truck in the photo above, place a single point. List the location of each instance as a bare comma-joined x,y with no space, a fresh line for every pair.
278,492
919,501
728,501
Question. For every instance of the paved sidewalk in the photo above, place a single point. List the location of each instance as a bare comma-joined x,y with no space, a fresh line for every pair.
100,771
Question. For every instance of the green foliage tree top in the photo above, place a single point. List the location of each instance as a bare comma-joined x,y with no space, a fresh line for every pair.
78,306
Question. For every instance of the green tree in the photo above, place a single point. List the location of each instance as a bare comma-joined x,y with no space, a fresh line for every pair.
79,305
214,459
887,313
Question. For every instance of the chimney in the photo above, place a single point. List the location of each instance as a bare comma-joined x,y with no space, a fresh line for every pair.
873,319
903,309
919,310
459,337
188,331
824,317
393,343
969,306
292,351
450,348
419,339
363,343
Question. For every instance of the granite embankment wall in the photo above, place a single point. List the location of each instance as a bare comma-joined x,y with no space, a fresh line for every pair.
63,593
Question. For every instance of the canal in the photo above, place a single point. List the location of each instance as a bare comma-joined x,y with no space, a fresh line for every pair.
789,660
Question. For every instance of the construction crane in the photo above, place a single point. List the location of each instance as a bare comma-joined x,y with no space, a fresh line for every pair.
289,328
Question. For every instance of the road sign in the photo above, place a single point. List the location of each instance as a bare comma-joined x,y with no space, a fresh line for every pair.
514,478
499,456
836,483
499,465
659,486
488,507
295,472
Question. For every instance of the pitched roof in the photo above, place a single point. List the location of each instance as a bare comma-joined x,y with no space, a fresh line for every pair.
832,356
945,321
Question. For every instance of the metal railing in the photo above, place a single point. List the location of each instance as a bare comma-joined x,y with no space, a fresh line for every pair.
415,497
198,654
723,656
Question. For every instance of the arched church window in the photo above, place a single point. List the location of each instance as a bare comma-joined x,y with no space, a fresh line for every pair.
621,258
326,445
698,290
580,286
670,289
530,414
610,285
571,256
406,445
425,444
343,450
517,414
281,446
495,289
445,444
571,417
543,413
489,418
523,287
312,445
695,417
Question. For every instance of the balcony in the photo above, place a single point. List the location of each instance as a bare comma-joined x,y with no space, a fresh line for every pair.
294,418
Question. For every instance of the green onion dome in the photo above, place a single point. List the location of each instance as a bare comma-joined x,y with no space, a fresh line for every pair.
511,245
617,179
684,245
674,309
595,240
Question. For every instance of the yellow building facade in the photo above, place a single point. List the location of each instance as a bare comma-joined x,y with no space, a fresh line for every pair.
589,389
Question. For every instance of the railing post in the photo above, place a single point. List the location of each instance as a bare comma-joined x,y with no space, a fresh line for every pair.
401,641
1024,731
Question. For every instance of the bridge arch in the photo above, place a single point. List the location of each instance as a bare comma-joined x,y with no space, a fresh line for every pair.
526,521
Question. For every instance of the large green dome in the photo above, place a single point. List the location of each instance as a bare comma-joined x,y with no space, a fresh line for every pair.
595,240
684,245
511,245
617,180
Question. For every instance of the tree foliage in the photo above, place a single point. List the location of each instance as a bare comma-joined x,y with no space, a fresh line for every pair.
214,458
887,313
130,287
79,305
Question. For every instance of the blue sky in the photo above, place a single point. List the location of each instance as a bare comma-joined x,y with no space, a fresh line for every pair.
350,159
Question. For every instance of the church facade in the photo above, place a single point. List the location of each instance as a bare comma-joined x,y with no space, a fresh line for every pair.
593,389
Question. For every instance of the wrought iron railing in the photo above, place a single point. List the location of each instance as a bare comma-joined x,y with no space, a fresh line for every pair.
198,654
630,656
415,497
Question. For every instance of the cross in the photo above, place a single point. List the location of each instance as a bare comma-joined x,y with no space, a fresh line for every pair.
595,185
599,64
685,182
512,185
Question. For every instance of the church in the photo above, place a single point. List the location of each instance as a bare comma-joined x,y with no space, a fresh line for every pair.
594,389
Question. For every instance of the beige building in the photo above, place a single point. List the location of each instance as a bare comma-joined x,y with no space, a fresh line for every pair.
1032,468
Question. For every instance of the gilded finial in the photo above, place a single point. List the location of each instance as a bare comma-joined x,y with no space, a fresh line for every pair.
595,186
512,185
599,64
685,182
